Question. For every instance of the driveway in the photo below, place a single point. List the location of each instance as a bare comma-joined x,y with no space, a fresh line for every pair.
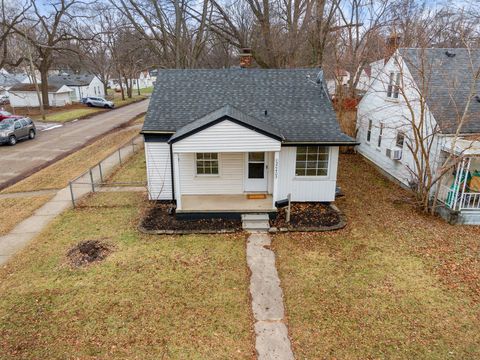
54,141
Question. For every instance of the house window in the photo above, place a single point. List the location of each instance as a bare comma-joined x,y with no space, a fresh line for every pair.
311,161
207,164
380,134
400,140
369,130
393,85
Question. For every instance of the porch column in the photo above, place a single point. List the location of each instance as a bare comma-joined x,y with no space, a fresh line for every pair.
276,168
176,176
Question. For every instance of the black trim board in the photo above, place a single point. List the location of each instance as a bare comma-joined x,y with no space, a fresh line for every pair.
156,137
221,119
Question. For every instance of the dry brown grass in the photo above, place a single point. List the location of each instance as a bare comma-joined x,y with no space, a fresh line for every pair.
395,283
13,211
57,175
152,297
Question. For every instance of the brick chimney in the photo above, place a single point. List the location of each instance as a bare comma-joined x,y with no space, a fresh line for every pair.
245,57
391,45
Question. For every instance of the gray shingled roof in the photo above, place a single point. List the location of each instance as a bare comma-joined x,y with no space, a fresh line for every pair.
71,79
296,106
447,81
230,112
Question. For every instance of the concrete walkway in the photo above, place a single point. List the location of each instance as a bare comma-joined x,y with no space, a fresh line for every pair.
26,230
272,340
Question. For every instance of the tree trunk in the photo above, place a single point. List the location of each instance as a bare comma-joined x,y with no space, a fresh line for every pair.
44,85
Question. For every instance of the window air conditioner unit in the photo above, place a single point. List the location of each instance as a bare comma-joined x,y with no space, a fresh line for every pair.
394,154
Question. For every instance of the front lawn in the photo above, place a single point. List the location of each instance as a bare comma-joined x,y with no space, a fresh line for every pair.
70,115
153,297
394,284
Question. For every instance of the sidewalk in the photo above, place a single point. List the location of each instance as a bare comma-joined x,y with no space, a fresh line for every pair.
26,230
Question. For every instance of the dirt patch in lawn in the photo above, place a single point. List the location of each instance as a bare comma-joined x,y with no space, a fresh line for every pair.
88,252
161,218
308,215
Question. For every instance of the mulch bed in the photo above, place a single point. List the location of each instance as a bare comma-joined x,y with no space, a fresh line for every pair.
157,220
87,252
309,216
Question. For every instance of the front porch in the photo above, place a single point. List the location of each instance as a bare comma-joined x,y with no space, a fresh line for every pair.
241,203
460,191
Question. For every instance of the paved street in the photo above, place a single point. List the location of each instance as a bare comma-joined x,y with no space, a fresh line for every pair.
53,141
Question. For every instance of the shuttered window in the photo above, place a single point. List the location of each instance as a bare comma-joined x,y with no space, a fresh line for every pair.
311,161
207,163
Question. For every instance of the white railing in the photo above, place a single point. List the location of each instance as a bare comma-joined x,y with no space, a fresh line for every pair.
469,201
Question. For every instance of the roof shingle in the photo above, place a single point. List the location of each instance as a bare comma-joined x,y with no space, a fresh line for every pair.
297,107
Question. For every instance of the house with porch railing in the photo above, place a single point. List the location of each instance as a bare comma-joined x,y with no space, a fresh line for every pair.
441,89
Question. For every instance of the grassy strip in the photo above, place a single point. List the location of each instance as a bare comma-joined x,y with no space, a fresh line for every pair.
152,298
393,284
70,115
13,211
58,174
134,170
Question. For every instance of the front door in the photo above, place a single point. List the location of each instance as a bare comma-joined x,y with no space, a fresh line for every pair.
256,172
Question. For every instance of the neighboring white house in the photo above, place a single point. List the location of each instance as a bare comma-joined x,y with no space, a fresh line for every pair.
83,85
441,79
144,80
214,136
24,95
7,80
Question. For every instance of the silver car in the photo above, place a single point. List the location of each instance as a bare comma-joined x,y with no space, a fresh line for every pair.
12,130
99,102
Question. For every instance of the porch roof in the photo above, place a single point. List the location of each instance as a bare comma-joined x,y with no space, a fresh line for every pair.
220,114
463,147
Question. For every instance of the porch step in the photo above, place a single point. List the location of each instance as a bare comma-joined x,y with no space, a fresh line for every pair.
255,222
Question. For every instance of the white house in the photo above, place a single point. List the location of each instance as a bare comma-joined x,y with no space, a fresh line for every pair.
7,80
24,95
144,80
214,136
437,81
83,85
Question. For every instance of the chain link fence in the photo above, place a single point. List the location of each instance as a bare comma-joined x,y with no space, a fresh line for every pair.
97,176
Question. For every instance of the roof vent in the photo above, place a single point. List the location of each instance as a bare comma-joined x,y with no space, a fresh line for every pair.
450,54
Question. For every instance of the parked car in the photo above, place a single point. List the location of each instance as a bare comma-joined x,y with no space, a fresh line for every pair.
99,102
6,115
12,130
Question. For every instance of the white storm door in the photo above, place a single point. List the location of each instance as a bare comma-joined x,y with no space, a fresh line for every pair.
256,172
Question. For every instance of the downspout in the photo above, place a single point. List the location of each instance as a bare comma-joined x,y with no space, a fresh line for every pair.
171,172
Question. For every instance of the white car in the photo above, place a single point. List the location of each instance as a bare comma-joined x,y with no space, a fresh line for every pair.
99,102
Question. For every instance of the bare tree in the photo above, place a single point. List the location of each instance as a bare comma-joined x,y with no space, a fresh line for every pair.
49,32
11,16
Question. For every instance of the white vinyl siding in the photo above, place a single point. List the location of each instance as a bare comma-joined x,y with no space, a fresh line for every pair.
157,155
228,181
226,136
306,188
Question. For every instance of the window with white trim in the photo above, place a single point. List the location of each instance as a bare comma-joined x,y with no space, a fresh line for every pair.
369,130
393,85
380,134
207,163
312,161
